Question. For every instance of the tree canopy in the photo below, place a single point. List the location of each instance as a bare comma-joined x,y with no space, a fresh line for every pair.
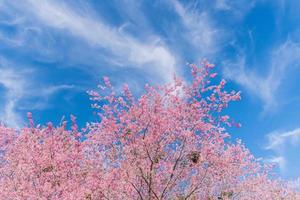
170,143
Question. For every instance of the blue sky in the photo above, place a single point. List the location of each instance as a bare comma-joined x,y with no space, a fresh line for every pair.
51,52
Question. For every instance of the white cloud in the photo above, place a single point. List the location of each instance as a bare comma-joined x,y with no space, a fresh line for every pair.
202,35
222,5
285,145
19,86
266,87
260,86
237,8
277,140
15,89
280,161
125,49
295,184
32,20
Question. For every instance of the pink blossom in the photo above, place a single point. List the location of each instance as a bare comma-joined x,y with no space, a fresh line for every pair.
163,145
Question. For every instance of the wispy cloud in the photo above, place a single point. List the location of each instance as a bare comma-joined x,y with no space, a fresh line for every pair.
200,31
14,85
260,86
35,28
284,145
278,140
278,160
295,184
123,49
19,87
265,86
222,5
238,8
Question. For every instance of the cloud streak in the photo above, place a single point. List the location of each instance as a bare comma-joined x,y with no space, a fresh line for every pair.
14,85
200,32
19,87
284,145
278,140
124,49
265,87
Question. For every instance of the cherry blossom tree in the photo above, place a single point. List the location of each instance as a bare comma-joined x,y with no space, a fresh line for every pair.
170,143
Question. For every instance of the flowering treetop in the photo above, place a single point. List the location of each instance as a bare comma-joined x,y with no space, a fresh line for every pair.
167,144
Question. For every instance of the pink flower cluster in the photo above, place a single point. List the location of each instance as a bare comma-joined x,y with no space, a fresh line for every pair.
167,144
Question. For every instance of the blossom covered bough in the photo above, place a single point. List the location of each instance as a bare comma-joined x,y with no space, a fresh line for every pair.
170,143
